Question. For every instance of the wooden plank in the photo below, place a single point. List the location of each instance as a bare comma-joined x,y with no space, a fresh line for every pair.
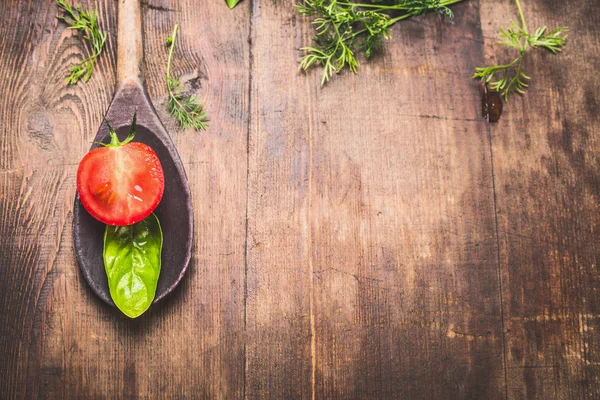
371,242
45,127
278,351
372,256
546,152
58,339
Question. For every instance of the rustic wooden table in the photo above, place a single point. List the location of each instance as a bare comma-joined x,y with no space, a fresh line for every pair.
371,239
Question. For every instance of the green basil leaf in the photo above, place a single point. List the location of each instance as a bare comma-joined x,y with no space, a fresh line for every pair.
132,262
232,3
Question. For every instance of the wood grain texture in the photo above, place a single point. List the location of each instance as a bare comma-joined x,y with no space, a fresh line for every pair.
371,239
373,259
279,282
46,127
58,340
546,156
407,292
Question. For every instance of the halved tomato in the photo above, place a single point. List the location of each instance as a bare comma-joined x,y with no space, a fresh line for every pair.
120,183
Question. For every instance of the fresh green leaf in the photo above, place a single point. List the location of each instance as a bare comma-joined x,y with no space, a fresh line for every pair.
513,78
132,258
86,22
344,28
232,3
186,109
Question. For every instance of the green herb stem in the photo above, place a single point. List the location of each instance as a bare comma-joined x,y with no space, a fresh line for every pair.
171,40
523,23
186,109
399,6
518,37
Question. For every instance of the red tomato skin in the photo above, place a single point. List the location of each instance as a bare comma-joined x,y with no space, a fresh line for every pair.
120,185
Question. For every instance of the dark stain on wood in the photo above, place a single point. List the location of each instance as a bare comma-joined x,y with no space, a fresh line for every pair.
130,390
154,7
491,104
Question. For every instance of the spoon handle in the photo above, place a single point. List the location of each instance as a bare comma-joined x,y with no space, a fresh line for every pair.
130,49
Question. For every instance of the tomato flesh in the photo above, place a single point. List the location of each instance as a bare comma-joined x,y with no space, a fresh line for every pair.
120,185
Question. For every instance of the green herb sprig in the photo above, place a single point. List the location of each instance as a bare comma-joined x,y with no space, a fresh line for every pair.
343,28
87,22
513,78
185,109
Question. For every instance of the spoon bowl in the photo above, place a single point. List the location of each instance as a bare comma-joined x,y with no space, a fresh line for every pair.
175,209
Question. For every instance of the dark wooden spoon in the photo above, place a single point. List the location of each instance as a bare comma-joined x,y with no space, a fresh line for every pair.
175,209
